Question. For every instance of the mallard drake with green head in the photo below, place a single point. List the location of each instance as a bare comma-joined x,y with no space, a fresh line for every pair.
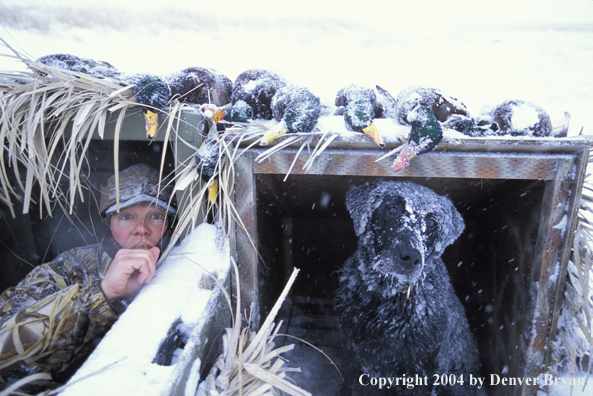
425,135
360,108
296,109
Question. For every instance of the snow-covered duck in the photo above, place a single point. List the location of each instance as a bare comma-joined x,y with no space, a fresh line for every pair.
74,63
153,93
226,115
257,87
296,109
240,111
449,111
520,118
360,109
425,109
425,135
442,105
199,85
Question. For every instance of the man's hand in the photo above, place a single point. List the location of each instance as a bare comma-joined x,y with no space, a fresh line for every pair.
130,269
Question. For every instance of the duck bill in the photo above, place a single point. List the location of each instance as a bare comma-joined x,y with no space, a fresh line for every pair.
151,119
403,159
372,132
273,134
213,191
218,116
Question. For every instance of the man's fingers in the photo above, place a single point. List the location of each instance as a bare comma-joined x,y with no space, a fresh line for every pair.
129,267
143,274
155,252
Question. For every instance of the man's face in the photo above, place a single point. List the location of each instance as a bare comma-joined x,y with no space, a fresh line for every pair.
138,227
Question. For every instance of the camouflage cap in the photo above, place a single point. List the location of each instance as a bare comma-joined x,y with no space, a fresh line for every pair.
137,184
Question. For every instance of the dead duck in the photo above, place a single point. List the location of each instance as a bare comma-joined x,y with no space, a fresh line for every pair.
296,109
74,63
152,92
238,112
521,118
257,87
425,135
360,109
440,103
199,85
448,110
226,115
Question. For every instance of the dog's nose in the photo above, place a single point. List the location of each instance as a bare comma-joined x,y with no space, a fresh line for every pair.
410,258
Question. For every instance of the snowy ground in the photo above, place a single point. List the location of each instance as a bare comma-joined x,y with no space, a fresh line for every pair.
480,52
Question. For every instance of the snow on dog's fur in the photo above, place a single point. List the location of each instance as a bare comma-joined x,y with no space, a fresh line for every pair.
397,309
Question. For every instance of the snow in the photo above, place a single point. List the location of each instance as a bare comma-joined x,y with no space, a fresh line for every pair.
173,293
524,117
562,225
572,387
250,86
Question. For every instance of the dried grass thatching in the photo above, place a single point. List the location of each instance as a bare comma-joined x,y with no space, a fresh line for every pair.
573,347
37,106
48,117
250,364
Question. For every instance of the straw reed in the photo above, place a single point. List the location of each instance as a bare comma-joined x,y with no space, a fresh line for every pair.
573,347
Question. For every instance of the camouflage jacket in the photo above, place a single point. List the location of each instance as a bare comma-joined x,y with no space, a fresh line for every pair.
52,317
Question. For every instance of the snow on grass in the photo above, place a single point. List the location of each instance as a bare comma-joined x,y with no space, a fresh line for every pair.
570,386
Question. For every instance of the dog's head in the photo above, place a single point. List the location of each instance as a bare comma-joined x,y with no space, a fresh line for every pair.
402,224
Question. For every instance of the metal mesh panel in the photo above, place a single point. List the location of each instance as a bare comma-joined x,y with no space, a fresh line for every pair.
437,164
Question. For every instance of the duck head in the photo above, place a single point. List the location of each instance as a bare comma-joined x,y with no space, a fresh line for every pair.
425,135
359,116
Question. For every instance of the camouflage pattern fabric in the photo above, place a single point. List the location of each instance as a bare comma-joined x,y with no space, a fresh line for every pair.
52,317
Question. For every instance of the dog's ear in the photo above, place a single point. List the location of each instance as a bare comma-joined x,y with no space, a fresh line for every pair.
456,227
360,202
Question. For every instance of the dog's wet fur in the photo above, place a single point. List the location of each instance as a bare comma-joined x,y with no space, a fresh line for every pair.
396,307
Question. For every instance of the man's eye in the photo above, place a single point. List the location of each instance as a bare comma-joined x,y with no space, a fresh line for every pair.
126,217
158,217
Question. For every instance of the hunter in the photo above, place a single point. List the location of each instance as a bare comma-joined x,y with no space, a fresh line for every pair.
53,318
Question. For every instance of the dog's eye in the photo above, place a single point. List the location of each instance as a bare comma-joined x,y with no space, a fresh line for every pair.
395,210
431,224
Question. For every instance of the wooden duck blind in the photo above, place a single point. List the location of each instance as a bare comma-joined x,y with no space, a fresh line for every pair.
519,199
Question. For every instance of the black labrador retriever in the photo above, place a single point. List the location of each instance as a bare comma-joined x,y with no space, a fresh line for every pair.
404,329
